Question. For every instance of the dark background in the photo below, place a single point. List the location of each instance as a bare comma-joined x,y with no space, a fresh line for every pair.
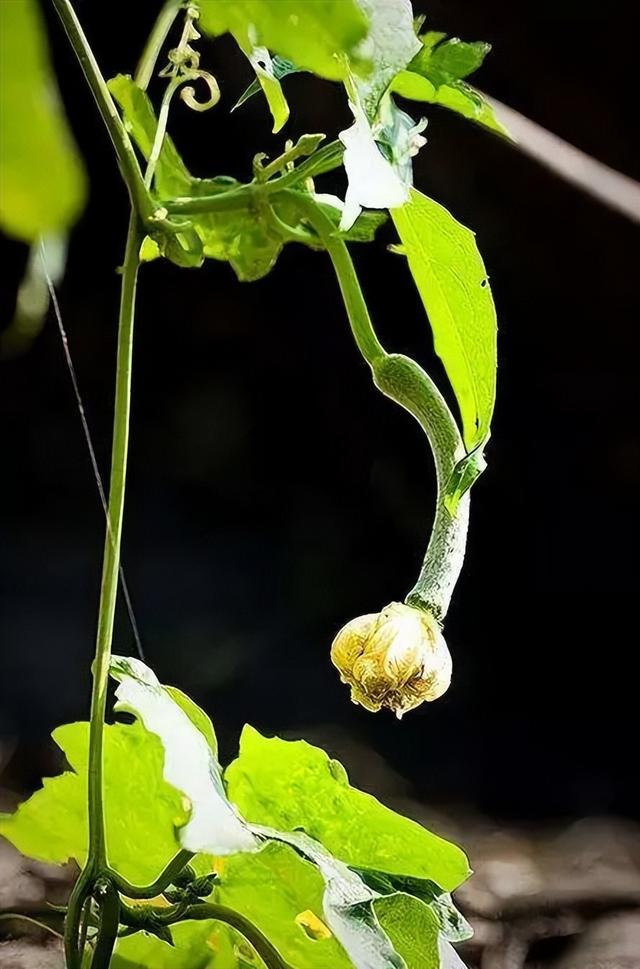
274,494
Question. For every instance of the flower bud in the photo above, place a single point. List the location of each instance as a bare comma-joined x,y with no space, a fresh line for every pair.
396,658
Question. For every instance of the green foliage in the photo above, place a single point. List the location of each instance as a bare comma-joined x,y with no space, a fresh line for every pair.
190,763
322,36
142,810
447,61
292,883
276,889
194,947
413,929
171,176
248,235
305,863
453,285
436,75
461,98
292,785
280,68
270,83
42,183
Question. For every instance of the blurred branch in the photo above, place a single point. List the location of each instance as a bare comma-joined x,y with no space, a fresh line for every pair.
616,190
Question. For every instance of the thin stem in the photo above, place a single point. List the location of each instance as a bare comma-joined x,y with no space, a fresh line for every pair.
212,910
155,42
164,879
402,380
323,160
111,559
108,902
161,129
224,201
359,318
124,149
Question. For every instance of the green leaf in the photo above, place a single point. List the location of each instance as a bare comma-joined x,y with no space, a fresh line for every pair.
279,891
193,948
452,281
363,229
171,177
447,61
347,904
464,475
452,924
190,762
261,62
322,36
391,44
242,237
290,784
458,97
42,182
280,68
142,810
413,929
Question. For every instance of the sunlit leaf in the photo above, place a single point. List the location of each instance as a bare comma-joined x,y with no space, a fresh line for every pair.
194,948
461,98
322,36
452,281
362,230
272,888
261,62
437,75
447,61
190,763
42,183
171,177
290,784
280,68
452,924
142,809
347,905
249,241
412,928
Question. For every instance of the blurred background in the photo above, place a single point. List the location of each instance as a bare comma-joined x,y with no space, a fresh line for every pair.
273,494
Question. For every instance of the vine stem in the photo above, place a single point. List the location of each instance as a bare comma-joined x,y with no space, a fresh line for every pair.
155,42
96,864
404,381
212,910
127,159
154,888
161,129
111,558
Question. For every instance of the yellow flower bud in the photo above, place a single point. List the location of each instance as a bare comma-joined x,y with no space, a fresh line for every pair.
396,658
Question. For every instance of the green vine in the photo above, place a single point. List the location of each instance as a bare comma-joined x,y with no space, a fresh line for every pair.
396,658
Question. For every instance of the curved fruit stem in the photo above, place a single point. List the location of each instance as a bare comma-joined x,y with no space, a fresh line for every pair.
404,381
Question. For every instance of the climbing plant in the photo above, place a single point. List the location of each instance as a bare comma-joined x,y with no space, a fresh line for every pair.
276,861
